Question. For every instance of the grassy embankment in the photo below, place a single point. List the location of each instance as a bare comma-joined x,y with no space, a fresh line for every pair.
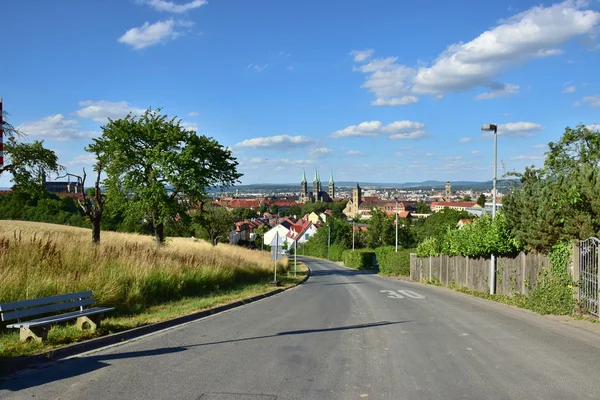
145,283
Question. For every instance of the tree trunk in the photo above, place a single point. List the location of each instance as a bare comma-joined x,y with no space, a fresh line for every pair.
159,232
96,230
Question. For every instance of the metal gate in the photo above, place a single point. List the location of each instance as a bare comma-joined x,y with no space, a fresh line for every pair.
588,274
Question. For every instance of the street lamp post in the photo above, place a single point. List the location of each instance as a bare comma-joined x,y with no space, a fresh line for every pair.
328,239
396,223
493,128
353,235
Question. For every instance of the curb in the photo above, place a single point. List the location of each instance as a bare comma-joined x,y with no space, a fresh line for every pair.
46,358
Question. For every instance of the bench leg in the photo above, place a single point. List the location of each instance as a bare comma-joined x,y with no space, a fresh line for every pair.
39,334
92,321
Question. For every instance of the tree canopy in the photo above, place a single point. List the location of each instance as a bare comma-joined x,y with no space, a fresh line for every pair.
157,169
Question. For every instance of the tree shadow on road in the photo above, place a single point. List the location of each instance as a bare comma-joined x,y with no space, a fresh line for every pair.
75,367
80,366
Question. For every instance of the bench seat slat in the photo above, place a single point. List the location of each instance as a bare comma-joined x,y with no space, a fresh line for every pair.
28,312
45,300
60,318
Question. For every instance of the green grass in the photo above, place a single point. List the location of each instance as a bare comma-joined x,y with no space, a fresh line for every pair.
124,319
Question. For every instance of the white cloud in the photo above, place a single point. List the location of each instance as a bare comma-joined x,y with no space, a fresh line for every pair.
355,153
101,111
453,158
193,114
397,129
276,142
540,146
570,89
362,55
399,154
536,33
593,127
529,157
169,6
475,152
258,68
190,126
321,152
517,129
465,140
284,161
428,154
498,90
82,160
593,101
409,135
54,127
395,101
150,34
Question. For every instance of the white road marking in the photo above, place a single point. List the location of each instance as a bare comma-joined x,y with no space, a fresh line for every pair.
391,294
411,294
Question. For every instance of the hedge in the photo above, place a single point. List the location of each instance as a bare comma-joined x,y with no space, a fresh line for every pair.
392,263
359,259
336,252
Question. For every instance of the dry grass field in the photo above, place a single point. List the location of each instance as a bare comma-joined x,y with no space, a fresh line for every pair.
125,270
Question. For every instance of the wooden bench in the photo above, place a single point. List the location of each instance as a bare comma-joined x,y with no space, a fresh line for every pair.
37,329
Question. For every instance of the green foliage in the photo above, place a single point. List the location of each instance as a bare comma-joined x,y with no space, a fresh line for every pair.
466,198
392,262
274,209
291,211
577,146
41,207
317,207
481,200
241,214
423,208
429,247
341,235
481,238
336,251
213,223
553,293
381,230
27,160
160,167
438,223
359,259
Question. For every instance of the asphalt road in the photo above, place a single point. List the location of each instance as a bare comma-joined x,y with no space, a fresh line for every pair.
342,335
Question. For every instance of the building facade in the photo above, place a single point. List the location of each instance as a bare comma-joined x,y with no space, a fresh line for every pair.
317,194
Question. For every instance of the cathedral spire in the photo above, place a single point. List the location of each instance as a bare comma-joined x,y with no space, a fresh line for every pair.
316,176
331,177
303,176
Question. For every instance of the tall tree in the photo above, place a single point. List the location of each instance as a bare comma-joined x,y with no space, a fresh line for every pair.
159,168
481,200
92,201
423,208
381,230
27,160
213,223
439,222
577,146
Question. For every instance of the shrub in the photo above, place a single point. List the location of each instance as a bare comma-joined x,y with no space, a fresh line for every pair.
359,259
553,293
395,263
336,252
429,247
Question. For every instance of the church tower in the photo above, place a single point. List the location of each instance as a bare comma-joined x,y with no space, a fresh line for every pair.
356,199
448,190
316,187
331,188
303,188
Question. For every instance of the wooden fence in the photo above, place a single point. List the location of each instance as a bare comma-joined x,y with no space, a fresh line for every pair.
514,274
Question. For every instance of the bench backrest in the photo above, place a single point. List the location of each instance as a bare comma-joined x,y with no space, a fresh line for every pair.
28,308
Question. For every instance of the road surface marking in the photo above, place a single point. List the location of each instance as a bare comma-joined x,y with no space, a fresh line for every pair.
391,294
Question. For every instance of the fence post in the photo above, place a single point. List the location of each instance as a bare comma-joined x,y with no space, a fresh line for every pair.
430,268
575,269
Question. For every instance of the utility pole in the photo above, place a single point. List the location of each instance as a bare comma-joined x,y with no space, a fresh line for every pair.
328,239
396,223
353,235
493,128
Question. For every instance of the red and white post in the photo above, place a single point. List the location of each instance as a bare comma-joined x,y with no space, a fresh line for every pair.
1,136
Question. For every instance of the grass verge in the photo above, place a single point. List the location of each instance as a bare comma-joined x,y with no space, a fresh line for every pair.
124,319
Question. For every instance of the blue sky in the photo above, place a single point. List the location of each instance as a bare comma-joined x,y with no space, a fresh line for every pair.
384,91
